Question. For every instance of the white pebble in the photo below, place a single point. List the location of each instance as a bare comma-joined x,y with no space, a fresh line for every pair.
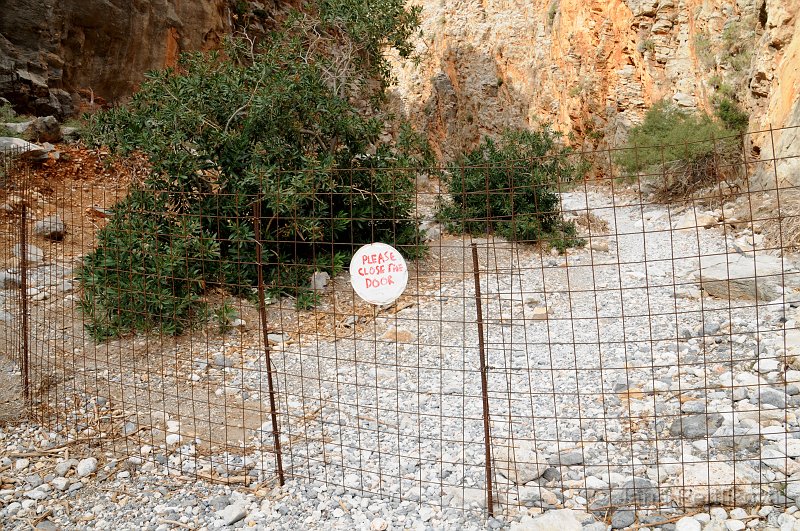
86,466
687,523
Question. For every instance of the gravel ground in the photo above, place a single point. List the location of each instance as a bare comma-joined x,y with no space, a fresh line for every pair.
619,395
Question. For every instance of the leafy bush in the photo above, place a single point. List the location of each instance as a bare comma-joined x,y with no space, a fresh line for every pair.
731,114
510,188
268,124
7,113
688,149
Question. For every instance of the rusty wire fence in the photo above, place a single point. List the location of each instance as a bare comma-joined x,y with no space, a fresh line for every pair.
650,366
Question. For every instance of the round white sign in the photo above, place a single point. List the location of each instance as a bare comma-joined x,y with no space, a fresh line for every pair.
378,273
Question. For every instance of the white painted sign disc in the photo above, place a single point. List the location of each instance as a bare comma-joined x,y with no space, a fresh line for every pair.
378,273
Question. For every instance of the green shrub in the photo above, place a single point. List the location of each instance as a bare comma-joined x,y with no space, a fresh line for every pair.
227,130
731,114
552,11
688,149
7,113
510,188
647,45
705,51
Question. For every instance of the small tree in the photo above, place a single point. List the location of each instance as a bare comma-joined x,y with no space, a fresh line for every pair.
509,187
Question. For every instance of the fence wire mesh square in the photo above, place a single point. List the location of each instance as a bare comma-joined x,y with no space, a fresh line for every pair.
653,367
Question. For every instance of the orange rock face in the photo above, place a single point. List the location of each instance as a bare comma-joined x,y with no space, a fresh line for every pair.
592,67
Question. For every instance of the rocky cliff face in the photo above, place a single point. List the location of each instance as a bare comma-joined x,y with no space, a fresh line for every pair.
589,67
592,67
52,52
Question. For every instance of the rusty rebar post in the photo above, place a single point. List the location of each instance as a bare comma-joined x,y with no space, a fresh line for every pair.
484,382
23,293
262,310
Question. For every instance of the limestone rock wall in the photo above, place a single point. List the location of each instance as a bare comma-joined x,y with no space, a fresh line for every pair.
592,67
56,53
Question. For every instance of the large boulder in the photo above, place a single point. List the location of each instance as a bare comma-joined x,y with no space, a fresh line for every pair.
715,483
51,228
15,145
46,129
738,276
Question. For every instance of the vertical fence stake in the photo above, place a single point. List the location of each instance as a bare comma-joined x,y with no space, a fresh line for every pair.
484,383
23,288
262,310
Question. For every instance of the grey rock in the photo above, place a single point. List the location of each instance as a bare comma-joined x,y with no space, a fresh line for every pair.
566,459
681,99
86,466
17,127
51,227
39,493
551,474
319,280
34,480
45,129
493,523
530,496
47,525
71,134
64,467
31,253
520,463
223,361
694,406
635,491
735,276
60,483
653,520
129,428
9,280
622,518
219,502
735,437
771,396
232,513
695,426
17,145
277,339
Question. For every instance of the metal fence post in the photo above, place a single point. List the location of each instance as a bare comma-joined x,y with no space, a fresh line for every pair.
23,288
484,383
262,311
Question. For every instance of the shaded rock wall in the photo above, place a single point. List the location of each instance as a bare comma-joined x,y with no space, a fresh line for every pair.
54,54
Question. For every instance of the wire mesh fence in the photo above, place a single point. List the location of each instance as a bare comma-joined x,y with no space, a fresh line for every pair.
644,361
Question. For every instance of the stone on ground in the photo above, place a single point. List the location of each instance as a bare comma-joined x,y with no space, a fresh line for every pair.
519,461
561,520
736,276
51,228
